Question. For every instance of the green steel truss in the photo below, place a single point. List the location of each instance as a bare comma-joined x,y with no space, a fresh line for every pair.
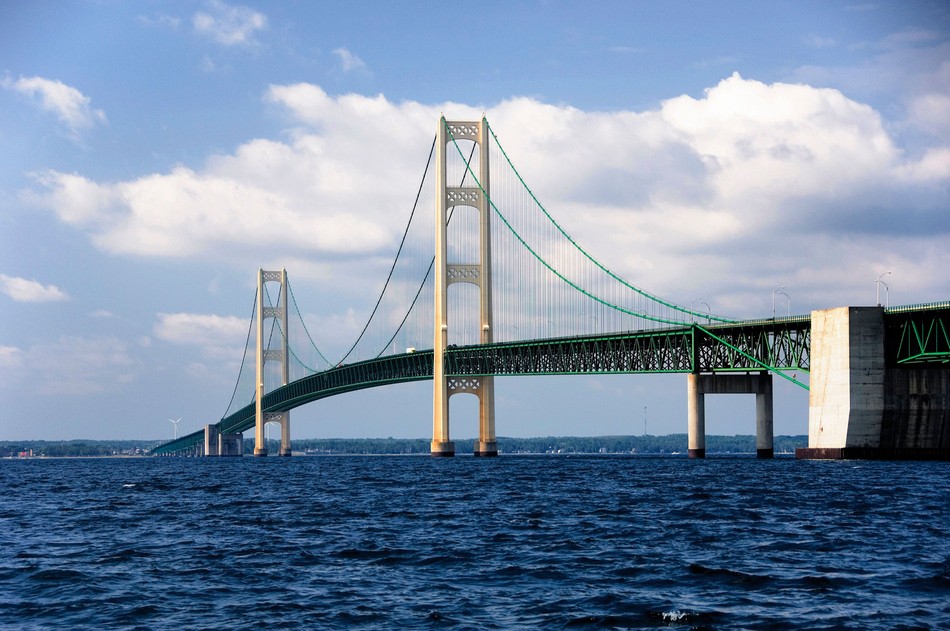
918,334
776,344
781,344
913,335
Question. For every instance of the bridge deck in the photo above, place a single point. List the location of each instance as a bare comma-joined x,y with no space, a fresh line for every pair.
916,334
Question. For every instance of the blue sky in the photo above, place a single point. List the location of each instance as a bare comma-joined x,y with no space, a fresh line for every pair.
153,155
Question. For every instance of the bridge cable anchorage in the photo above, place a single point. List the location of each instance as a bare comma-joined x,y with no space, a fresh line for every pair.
597,263
772,369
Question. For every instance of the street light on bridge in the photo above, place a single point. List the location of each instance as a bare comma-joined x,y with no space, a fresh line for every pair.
702,303
788,304
778,290
878,283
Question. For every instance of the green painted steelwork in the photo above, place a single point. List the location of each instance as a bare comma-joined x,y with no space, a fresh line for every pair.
185,443
671,350
915,335
918,334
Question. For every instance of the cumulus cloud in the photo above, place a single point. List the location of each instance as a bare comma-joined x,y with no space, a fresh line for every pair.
70,106
913,64
229,25
749,186
23,290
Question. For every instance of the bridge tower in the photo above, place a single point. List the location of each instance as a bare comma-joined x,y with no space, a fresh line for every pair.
280,313
477,273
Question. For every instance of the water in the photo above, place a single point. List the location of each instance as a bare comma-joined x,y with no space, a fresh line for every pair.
518,541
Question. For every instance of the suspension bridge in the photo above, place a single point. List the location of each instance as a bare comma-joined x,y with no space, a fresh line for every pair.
486,282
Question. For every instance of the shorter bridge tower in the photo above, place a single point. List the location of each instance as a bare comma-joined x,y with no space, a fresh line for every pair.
282,354
477,273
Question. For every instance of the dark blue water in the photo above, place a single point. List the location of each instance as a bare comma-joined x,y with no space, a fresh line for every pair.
557,541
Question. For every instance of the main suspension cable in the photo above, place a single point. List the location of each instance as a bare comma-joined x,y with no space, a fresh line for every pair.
577,246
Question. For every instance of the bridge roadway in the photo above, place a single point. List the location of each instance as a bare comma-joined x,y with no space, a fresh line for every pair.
915,334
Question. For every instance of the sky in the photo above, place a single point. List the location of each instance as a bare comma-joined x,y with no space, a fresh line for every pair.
155,154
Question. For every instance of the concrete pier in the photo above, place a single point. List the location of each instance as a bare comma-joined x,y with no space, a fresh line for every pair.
442,448
695,417
861,407
487,449
211,440
231,445
218,444
698,385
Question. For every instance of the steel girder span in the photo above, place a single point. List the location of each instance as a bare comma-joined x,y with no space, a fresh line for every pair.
743,347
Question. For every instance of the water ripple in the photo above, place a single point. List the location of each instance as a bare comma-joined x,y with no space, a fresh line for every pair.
579,542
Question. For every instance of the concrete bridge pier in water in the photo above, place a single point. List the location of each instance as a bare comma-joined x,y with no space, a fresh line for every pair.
219,444
698,385
863,401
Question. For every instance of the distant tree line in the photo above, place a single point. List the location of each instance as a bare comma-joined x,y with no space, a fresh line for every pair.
668,444
67,448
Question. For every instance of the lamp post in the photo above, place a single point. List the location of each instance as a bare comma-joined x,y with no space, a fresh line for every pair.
788,304
702,303
878,283
775,291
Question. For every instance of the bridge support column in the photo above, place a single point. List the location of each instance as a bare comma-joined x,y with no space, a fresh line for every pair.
859,405
211,440
477,273
764,423
230,444
698,385
695,417
284,435
486,445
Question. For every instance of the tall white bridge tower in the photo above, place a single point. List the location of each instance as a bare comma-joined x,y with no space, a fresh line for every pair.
282,354
475,272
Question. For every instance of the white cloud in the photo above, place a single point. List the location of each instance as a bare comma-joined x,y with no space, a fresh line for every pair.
78,201
934,166
931,113
350,61
911,36
217,336
909,68
229,25
10,357
23,290
70,365
688,197
70,106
